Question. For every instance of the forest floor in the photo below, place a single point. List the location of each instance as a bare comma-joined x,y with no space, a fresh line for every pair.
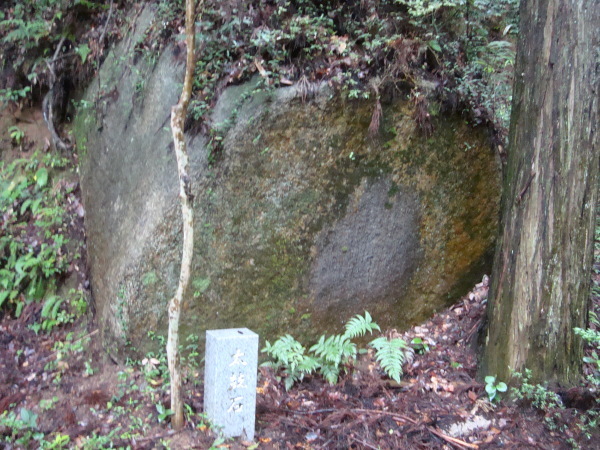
76,397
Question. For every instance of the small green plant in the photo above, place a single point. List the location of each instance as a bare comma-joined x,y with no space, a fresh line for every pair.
332,354
539,396
200,286
592,337
16,134
542,399
32,243
89,370
493,388
58,311
419,345
60,441
289,356
47,405
391,354
20,429
590,420
8,95
163,413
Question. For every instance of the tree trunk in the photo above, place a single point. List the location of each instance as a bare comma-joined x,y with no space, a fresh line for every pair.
541,275
178,113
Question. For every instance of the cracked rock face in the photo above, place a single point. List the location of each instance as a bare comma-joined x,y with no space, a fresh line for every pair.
303,220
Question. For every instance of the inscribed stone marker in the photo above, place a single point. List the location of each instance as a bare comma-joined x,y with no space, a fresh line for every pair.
230,380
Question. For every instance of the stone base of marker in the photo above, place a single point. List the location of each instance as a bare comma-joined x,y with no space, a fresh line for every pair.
230,380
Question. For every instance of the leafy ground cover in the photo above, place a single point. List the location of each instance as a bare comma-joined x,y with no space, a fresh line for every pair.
60,391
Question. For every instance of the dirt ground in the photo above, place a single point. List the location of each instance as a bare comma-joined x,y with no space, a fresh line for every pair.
438,404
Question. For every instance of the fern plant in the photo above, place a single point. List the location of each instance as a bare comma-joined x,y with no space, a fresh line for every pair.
332,354
337,350
391,355
289,355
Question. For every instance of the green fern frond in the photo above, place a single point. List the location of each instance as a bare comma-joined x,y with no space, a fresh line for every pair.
288,355
331,373
358,326
334,349
51,307
291,379
390,354
308,365
286,351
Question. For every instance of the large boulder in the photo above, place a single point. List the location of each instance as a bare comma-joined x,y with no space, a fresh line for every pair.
302,218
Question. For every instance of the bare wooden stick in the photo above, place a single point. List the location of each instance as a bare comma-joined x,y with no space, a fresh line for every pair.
451,440
178,113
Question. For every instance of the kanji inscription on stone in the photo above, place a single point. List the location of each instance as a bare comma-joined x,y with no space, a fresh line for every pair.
230,380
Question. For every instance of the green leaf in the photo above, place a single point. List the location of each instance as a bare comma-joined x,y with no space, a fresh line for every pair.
331,373
501,387
29,417
83,51
359,326
390,355
3,296
19,309
24,206
490,379
200,285
435,46
41,177
51,306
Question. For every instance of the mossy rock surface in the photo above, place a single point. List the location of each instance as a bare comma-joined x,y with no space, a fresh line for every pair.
303,221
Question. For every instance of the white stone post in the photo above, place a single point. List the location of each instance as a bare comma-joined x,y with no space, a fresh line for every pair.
230,370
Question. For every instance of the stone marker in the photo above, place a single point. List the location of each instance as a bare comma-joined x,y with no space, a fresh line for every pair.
230,370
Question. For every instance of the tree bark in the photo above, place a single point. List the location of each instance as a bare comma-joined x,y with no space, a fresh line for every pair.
178,113
541,275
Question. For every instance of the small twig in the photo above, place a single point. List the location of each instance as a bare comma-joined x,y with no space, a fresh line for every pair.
524,190
404,418
366,444
64,56
451,440
316,411
57,51
101,40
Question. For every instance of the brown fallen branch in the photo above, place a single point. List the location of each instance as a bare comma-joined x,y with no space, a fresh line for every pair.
451,440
